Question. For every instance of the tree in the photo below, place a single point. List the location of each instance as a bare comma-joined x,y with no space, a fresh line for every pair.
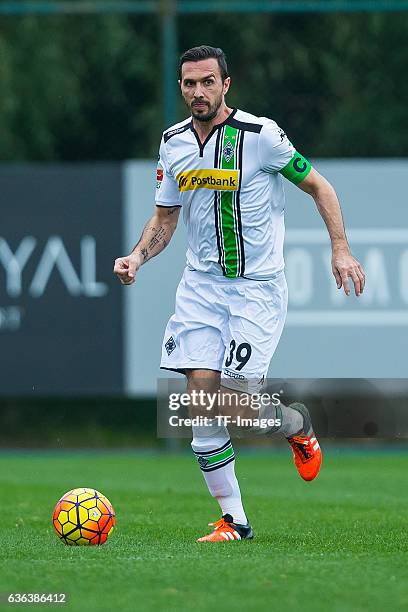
90,87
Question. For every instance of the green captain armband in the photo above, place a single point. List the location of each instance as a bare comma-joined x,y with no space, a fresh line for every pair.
297,169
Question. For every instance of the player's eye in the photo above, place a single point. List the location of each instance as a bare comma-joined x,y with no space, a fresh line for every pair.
188,83
209,82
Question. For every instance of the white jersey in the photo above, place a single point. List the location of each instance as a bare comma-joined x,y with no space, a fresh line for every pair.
231,191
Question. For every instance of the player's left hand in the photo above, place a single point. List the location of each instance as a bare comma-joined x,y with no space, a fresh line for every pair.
344,266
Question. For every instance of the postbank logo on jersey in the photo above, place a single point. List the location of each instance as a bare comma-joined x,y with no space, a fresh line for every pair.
218,180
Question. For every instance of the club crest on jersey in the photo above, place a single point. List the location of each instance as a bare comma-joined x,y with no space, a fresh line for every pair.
228,152
217,180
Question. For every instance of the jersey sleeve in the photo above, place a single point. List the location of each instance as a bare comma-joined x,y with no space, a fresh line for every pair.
167,191
277,154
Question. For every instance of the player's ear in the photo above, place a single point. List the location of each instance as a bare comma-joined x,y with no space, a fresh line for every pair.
226,85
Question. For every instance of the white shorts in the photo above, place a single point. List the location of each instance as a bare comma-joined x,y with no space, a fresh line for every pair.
229,325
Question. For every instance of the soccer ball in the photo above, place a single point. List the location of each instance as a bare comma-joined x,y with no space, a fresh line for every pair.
82,517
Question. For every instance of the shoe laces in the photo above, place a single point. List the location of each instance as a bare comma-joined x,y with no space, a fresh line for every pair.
301,445
221,524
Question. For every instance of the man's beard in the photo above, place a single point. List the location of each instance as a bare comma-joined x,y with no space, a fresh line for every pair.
211,114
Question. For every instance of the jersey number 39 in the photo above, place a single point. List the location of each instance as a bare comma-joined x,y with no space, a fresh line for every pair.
242,354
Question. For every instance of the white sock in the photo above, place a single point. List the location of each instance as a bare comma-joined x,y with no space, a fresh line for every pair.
231,504
216,458
291,420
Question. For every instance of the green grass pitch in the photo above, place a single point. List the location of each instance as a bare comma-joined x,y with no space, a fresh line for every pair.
339,543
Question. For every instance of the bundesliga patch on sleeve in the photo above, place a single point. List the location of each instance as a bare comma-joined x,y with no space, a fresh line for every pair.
297,169
159,176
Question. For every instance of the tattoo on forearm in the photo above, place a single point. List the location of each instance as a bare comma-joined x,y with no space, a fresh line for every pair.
157,237
161,236
172,210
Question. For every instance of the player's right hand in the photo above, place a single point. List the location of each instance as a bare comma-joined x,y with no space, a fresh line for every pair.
126,268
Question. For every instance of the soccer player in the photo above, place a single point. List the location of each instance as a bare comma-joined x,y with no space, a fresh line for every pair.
224,168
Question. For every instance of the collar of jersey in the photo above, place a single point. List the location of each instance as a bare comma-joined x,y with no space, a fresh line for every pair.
215,128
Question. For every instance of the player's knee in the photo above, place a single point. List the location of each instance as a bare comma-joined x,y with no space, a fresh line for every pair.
203,389
205,380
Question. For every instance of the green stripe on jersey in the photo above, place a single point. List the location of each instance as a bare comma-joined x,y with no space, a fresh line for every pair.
229,231
297,169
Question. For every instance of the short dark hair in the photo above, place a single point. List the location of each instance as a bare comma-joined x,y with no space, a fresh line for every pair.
196,54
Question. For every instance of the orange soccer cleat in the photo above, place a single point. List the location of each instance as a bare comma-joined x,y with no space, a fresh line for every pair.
307,453
225,530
